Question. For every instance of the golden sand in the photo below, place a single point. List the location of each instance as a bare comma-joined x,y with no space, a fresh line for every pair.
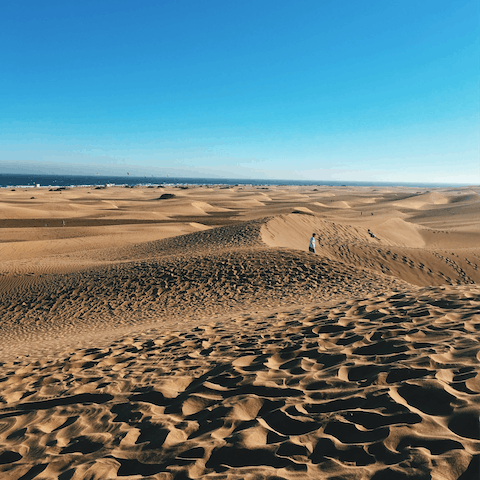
176,333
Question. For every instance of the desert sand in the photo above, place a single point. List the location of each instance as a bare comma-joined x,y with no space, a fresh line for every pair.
186,332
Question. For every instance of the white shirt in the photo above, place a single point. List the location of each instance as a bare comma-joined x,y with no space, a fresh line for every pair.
312,243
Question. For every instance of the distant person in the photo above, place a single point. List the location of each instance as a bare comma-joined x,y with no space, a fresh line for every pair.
311,247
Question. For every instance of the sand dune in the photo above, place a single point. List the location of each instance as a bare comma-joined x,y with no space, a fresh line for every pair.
206,207
377,387
194,336
353,245
423,200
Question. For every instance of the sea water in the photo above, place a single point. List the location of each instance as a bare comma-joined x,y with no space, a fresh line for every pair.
33,180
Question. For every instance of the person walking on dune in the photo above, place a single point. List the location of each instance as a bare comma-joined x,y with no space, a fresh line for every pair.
311,247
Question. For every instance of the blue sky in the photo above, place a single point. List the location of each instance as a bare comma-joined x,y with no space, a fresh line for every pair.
316,90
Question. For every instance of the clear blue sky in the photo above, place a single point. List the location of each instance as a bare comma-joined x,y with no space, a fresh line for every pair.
371,90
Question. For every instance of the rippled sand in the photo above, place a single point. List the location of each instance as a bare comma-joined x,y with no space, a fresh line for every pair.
188,333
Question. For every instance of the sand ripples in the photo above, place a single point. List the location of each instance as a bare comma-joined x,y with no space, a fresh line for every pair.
192,336
388,385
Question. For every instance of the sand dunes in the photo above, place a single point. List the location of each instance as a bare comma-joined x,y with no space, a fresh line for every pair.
195,337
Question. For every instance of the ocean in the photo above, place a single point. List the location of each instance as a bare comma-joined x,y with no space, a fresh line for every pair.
25,180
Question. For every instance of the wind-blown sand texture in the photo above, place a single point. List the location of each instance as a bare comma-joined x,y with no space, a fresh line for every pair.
176,333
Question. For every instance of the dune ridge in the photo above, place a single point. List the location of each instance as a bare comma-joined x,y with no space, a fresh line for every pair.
222,269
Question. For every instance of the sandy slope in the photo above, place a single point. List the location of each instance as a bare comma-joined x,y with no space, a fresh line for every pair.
187,333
